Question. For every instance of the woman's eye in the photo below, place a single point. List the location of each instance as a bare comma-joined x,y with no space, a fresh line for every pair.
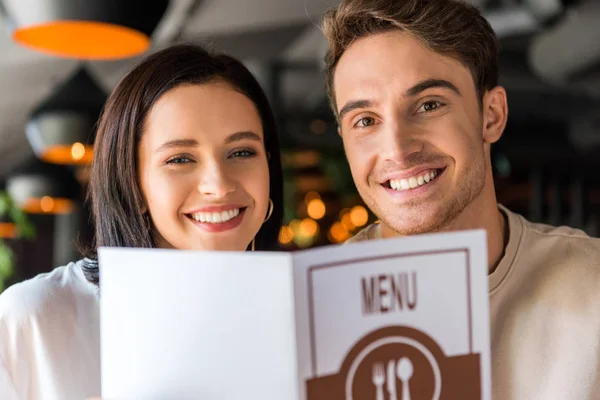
243,153
429,106
365,121
178,160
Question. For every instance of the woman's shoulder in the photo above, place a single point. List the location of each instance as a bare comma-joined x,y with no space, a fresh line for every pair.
44,293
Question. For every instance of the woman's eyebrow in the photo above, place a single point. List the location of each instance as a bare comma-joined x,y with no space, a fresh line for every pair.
177,143
243,135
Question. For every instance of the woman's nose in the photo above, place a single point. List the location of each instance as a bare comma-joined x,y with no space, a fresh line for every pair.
215,181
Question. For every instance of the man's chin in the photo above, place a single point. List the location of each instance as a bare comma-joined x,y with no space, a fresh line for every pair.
414,224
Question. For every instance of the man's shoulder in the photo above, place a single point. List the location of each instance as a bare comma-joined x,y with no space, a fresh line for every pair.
558,263
561,240
551,230
41,294
370,232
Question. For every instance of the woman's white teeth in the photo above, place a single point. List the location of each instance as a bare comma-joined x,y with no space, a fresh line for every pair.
216,217
413,181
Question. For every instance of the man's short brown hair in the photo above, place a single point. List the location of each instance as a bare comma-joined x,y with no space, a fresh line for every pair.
448,27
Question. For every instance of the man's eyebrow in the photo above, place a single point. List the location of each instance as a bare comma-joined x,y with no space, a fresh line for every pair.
429,84
353,105
243,135
413,91
177,143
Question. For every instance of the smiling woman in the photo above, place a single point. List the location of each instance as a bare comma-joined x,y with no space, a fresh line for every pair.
187,157
201,141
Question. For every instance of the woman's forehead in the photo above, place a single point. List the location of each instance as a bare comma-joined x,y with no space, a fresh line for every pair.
208,111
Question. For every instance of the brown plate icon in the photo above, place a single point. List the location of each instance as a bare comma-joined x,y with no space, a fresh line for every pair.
394,368
400,363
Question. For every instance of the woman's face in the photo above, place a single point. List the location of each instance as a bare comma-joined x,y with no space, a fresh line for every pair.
203,168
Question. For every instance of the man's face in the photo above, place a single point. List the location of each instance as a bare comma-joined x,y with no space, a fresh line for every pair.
413,131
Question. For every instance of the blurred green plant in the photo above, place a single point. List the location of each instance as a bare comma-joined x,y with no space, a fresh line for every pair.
24,229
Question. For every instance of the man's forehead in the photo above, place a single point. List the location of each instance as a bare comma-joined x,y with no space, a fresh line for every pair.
392,59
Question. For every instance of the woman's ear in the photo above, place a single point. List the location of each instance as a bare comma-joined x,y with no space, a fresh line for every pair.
140,199
142,207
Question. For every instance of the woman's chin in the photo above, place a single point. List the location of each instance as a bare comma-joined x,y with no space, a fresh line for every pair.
203,241
220,245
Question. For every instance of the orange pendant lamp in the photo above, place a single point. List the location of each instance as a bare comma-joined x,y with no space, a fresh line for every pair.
8,228
61,129
85,29
42,188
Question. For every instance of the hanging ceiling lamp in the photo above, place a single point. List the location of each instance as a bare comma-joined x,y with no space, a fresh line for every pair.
85,29
41,188
61,129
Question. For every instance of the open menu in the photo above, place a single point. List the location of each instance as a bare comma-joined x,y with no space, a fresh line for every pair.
393,319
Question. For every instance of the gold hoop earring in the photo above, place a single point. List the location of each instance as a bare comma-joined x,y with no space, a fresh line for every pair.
271,207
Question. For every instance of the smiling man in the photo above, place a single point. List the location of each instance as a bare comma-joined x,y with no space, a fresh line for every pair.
414,86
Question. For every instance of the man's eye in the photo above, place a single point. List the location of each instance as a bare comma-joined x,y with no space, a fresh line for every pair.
365,121
429,106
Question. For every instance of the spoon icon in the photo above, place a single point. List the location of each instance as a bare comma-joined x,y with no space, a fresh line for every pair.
404,371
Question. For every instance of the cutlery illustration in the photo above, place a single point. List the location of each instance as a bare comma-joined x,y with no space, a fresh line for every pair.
404,371
391,380
378,380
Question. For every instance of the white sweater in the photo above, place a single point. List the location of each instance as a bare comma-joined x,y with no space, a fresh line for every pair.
50,338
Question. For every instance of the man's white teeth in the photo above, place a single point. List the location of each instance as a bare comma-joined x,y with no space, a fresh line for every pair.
216,217
413,181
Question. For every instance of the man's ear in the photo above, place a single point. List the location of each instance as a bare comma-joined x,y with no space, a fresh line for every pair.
495,114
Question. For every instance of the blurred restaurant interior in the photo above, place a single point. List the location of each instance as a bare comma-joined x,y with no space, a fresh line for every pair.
53,85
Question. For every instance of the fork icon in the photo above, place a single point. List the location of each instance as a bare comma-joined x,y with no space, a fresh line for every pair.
378,379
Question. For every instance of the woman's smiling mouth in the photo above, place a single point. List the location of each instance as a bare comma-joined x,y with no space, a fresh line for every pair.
213,219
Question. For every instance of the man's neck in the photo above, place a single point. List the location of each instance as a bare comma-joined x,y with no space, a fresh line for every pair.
482,213
486,215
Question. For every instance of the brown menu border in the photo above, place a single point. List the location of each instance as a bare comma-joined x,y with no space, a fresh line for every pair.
316,267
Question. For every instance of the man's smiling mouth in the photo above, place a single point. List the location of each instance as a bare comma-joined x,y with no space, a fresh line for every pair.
413,182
